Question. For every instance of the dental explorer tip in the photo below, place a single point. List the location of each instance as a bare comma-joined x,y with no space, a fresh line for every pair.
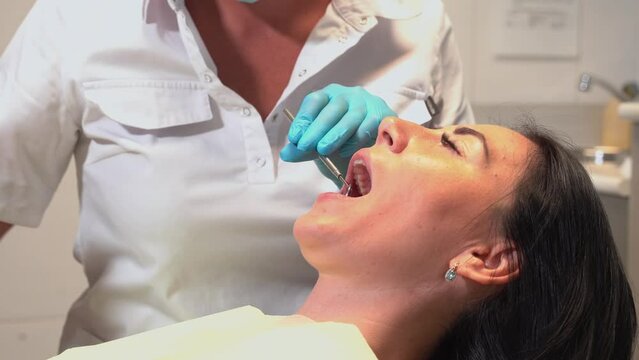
348,186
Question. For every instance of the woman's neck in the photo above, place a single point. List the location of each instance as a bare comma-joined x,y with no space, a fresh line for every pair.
396,323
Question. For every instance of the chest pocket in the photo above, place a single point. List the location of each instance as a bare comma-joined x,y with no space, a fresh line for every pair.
150,104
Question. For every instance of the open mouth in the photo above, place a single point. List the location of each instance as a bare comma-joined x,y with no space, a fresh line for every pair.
359,178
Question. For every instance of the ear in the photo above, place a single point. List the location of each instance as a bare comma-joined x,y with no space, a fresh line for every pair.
495,264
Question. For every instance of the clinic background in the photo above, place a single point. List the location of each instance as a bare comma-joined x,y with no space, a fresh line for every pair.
39,278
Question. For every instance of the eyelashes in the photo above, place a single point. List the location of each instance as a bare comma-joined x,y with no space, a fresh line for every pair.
445,140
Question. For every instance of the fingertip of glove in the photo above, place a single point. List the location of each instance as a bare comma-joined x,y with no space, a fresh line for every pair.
294,134
346,152
324,150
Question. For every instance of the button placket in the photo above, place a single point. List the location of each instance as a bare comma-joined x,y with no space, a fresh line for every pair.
259,160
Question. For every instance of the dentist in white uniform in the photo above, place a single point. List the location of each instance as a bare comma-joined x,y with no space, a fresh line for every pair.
189,178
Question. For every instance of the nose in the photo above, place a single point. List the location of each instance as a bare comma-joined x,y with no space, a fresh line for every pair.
393,133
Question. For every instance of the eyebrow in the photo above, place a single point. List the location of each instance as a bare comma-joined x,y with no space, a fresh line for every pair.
468,131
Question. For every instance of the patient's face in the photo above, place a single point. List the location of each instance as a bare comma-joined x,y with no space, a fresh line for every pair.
425,196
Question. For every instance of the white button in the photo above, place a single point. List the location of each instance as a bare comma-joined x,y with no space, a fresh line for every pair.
246,111
363,20
301,73
260,161
343,38
208,78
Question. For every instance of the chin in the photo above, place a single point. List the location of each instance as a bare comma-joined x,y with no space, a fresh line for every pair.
309,236
311,227
319,229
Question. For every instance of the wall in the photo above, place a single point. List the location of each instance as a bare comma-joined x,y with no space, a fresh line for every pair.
547,89
38,276
607,48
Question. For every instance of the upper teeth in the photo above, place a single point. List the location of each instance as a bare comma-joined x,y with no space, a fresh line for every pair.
361,177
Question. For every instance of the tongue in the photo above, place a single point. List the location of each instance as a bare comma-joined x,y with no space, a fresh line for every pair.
354,190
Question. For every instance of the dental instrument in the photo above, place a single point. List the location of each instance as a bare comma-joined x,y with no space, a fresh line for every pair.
325,160
431,106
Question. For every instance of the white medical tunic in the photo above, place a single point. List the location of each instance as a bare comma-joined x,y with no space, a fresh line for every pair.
186,208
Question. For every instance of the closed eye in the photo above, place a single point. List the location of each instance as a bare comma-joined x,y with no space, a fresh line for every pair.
445,140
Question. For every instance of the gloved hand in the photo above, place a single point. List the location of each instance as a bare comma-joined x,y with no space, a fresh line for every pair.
335,119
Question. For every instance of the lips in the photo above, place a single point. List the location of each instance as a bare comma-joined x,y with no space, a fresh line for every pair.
359,176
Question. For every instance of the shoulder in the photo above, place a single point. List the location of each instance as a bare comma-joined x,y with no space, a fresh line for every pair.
434,13
77,25
72,12
79,8
409,9
419,20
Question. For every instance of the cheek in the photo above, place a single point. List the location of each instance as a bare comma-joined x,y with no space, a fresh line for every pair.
403,257
454,195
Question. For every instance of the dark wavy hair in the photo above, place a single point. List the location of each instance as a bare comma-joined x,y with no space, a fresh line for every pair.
572,300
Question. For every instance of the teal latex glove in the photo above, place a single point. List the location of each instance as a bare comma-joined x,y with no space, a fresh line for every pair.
336,119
